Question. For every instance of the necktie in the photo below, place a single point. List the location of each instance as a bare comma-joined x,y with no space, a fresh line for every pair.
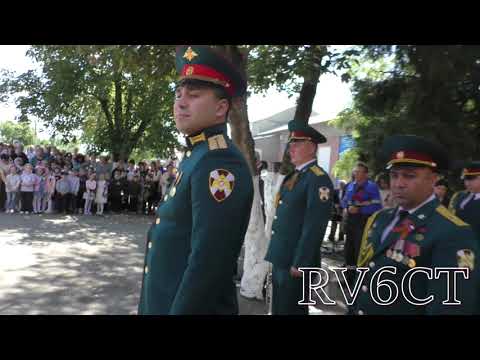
402,214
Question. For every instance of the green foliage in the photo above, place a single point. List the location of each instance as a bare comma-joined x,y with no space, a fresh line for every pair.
120,97
344,166
11,130
430,91
287,66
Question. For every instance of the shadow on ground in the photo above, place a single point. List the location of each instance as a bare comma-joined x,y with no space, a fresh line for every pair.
71,264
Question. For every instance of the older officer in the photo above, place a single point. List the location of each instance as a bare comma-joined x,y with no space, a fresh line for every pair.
194,243
419,233
303,209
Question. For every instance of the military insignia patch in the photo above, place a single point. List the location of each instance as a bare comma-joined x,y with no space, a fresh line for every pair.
466,258
221,184
324,193
190,54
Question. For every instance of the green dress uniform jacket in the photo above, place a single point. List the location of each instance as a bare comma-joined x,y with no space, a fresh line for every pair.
471,211
431,237
194,243
303,208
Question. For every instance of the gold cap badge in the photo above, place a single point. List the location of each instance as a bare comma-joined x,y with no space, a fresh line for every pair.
190,54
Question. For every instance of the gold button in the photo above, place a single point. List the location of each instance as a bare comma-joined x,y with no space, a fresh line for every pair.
364,288
280,202
273,232
146,269
165,198
188,153
150,245
275,217
157,221
173,192
372,264
360,312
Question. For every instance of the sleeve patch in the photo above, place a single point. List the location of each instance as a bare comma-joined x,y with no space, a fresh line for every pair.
324,193
221,184
466,258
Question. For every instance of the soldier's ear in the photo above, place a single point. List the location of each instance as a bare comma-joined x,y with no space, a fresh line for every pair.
222,108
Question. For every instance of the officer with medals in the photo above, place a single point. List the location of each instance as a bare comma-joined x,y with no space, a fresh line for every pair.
303,209
194,243
419,233
466,204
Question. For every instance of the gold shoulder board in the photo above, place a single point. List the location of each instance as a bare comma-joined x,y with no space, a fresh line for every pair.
442,210
316,170
217,142
366,249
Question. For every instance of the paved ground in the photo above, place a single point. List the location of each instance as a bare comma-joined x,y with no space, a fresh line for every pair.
51,264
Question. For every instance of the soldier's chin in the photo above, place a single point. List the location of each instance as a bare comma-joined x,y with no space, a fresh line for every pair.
400,200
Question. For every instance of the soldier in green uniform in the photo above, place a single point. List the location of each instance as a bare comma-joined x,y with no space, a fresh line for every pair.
303,209
194,243
466,204
418,234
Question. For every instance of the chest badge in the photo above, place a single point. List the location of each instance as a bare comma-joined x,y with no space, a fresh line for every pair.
466,258
324,193
221,183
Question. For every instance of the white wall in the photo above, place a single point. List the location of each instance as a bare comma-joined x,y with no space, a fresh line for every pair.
323,156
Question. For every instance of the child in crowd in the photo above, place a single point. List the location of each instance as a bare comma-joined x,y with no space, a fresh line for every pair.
63,190
89,194
102,194
46,174
116,191
82,179
12,185
50,186
26,189
38,190
74,181
148,194
134,193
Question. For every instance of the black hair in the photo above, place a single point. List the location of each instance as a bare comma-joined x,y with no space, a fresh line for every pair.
442,182
362,165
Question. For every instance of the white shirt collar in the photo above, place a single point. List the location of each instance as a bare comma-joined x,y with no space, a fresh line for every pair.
432,197
301,167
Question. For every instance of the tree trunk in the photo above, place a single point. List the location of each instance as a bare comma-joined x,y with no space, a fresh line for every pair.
241,134
307,95
238,116
254,267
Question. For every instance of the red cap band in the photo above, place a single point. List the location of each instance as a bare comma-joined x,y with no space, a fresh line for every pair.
206,73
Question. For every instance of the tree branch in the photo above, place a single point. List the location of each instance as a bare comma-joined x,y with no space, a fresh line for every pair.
106,111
